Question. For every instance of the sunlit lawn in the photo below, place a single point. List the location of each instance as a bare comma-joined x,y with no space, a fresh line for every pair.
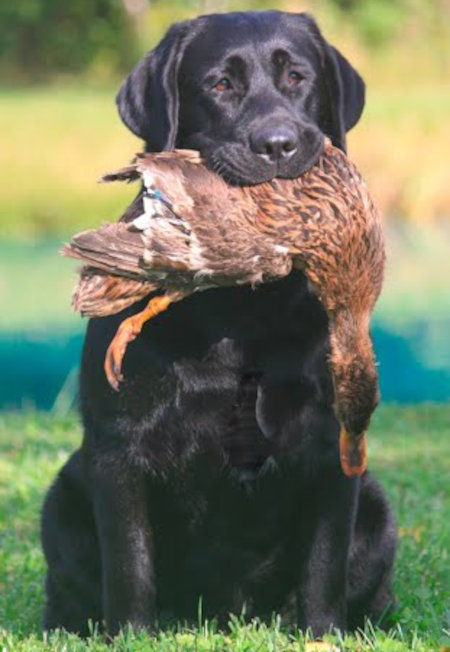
409,451
56,142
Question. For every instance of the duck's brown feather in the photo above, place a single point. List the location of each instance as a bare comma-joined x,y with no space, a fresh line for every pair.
99,294
214,234
323,222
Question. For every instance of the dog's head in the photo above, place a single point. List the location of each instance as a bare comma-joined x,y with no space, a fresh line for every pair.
255,92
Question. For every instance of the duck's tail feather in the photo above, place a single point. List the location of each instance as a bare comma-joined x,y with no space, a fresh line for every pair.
128,174
99,294
152,161
122,250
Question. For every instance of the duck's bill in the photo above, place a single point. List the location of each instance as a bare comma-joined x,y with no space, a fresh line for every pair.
353,453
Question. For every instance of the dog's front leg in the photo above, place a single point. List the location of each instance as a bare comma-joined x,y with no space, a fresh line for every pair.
126,547
322,596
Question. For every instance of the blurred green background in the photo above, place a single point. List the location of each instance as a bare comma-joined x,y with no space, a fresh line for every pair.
61,65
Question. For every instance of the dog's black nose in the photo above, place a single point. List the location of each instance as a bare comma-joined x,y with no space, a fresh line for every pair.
274,143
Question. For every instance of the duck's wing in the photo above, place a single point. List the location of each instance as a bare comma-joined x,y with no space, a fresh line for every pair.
124,263
113,248
179,178
112,278
150,242
181,211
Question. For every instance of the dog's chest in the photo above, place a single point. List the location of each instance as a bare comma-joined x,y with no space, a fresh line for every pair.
235,376
248,401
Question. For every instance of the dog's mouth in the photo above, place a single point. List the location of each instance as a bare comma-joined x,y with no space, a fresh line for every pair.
238,165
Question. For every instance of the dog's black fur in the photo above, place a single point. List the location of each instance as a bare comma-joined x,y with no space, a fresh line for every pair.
214,472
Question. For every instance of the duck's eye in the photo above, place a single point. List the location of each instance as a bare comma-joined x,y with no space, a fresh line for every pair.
294,78
223,84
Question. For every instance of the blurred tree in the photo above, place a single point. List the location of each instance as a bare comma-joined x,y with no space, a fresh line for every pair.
41,37
378,22
346,5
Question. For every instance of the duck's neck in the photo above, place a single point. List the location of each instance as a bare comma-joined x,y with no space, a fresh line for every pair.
354,371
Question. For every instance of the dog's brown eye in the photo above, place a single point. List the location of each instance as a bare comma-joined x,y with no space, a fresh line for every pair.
223,84
294,78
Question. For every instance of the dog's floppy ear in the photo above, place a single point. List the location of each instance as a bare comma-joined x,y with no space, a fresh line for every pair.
346,89
148,99
346,95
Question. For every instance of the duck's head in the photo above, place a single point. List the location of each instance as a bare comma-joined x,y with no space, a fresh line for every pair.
355,380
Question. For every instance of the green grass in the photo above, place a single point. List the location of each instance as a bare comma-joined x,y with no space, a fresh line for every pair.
56,143
409,450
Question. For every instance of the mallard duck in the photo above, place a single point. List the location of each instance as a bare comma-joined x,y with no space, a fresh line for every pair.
190,231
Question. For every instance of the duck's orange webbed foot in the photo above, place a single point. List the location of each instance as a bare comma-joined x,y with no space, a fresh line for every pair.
128,330
353,453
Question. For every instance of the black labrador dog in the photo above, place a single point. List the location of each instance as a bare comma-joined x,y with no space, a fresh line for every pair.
213,474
